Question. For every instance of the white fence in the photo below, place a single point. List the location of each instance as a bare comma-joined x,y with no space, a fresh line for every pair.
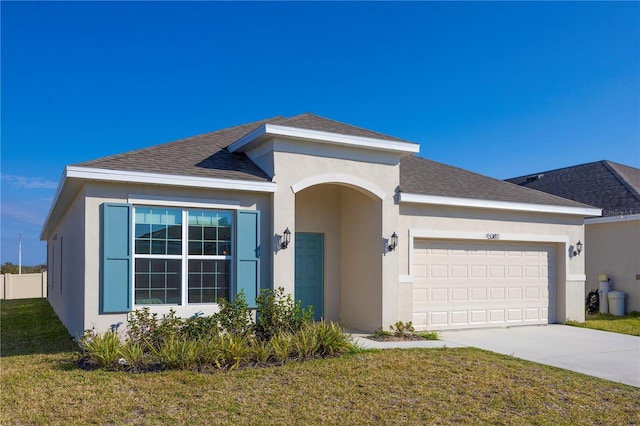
23,286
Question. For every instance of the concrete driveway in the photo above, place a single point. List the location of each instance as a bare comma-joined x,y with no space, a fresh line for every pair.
609,356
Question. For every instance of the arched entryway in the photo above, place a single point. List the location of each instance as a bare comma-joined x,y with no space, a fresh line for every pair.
338,257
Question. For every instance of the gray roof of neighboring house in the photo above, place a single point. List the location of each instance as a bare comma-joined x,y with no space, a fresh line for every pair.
426,177
207,156
613,187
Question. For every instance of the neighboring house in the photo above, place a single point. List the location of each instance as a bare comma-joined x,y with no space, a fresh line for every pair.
612,242
182,224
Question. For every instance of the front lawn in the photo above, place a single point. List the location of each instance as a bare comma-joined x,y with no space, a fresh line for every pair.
417,386
628,324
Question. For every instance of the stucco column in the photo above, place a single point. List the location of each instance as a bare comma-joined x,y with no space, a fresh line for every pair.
390,262
284,205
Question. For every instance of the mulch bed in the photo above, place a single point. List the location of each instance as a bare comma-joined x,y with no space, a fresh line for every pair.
394,338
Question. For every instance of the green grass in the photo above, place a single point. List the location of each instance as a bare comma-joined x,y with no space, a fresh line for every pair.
30,326
628,324
417,386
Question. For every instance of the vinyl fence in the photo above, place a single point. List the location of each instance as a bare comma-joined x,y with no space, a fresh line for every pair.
23,286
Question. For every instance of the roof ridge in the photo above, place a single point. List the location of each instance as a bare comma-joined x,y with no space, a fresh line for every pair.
610,166
554,170
384,135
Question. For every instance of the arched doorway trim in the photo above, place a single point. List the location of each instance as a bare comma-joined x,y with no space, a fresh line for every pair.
361,185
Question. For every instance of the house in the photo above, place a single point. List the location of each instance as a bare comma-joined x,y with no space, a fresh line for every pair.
348,220
612,242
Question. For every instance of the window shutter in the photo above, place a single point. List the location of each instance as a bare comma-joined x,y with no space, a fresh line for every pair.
248,255
117,258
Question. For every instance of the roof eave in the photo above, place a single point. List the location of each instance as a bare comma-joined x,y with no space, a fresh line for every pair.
498,205
74,176
268,131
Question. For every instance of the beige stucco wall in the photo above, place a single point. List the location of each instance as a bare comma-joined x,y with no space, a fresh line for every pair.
23,286
363,285
66,267
443,222
613,249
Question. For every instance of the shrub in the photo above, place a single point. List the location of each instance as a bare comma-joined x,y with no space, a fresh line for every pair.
200,327
278,313
402,330
235,317
142,327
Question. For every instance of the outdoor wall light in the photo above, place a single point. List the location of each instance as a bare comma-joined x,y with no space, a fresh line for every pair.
394,242
286,238
578,249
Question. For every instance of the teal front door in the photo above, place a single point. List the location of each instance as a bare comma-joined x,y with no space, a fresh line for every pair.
309,285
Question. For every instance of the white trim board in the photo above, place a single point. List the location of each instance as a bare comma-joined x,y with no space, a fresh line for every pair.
270,130
498,205
351,181
164,179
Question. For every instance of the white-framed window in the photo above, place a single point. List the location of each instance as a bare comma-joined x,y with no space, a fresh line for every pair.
181,256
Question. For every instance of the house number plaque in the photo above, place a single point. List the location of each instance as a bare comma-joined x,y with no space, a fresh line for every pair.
493,236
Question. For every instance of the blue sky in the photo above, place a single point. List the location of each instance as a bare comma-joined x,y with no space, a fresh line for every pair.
502,89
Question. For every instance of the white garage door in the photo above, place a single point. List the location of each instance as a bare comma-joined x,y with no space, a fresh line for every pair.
472,284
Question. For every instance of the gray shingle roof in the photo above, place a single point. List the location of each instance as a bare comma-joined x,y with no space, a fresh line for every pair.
613,187
426,177
206,155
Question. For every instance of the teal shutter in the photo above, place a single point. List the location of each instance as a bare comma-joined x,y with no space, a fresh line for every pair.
117,258
248,255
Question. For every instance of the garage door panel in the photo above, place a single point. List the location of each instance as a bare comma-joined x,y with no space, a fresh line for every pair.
478,317
438,271
514,271
497,271
479,294
459,272
459,295
497,316
515,294
514,315
439,295
497,293
459,317
533,293
439,318
478,271
482,284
